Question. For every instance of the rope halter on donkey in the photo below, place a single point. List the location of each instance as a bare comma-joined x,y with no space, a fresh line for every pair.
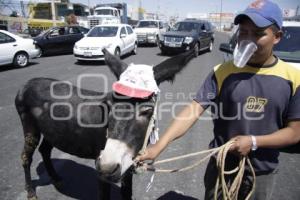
138,81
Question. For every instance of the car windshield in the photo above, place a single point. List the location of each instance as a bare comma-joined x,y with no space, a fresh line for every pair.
103,31
147,24
104,12
288,48
44,32
186,26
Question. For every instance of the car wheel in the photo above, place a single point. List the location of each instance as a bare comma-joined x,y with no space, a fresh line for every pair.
21,59
117,52
210,46
81,62
134,51
196,49
157,41
41,52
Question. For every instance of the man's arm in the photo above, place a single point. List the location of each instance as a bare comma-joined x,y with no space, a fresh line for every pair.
180,125
281,138
284,137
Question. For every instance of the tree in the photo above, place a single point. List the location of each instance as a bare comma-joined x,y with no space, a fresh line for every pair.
14,14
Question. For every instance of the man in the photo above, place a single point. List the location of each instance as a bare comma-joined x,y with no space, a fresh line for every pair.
257,106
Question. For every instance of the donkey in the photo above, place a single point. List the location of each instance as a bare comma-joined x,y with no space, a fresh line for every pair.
71,124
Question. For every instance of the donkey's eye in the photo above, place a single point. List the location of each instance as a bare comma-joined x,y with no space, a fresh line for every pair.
146,110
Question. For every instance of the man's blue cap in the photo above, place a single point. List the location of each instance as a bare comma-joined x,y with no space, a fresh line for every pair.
263,13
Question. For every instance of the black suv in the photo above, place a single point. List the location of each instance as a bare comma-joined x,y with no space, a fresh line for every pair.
186,35
59,40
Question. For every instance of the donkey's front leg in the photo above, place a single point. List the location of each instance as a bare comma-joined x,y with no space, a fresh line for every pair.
126,186
104,190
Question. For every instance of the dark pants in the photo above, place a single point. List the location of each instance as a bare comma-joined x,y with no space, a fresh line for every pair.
263,186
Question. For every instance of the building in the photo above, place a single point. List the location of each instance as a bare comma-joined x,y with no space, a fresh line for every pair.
222,21
62,9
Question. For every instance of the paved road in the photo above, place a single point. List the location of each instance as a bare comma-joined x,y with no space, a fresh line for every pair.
79,174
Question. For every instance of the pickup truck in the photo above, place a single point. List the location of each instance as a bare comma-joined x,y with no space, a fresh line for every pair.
149,31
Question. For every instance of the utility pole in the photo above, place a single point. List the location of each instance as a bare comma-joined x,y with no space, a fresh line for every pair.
89,7
22,8
157,10
140,10
53,12
221,15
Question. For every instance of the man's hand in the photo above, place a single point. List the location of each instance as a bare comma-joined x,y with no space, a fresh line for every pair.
150,153
242,145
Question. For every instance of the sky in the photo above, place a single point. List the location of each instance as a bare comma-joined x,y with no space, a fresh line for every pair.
182,7
174,7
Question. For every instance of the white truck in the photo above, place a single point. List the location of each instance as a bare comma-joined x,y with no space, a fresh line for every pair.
114,13
149,31
104,15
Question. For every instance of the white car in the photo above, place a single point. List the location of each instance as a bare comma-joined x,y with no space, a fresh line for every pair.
118,39
16,50
149,31
288,49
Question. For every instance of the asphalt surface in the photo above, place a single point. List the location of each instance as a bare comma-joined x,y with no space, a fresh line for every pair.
79,174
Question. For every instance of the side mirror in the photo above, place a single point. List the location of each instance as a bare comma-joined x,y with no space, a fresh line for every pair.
122,35
226,47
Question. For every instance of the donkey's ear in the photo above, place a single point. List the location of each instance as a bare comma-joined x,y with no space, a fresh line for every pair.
167,70
114,63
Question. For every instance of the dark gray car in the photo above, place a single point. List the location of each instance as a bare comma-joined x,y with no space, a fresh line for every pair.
59,40
186,35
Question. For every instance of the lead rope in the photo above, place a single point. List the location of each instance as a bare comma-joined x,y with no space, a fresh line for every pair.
230,192
152,135
151,127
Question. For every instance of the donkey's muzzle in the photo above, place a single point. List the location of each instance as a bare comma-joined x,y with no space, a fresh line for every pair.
109,171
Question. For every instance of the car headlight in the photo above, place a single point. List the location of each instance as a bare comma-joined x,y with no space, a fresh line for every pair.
109,46
162,38
188,40
75,46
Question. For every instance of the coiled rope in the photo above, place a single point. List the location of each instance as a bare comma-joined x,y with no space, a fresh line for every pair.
229,192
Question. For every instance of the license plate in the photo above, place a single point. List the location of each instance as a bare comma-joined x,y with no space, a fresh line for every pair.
171,44
87,54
